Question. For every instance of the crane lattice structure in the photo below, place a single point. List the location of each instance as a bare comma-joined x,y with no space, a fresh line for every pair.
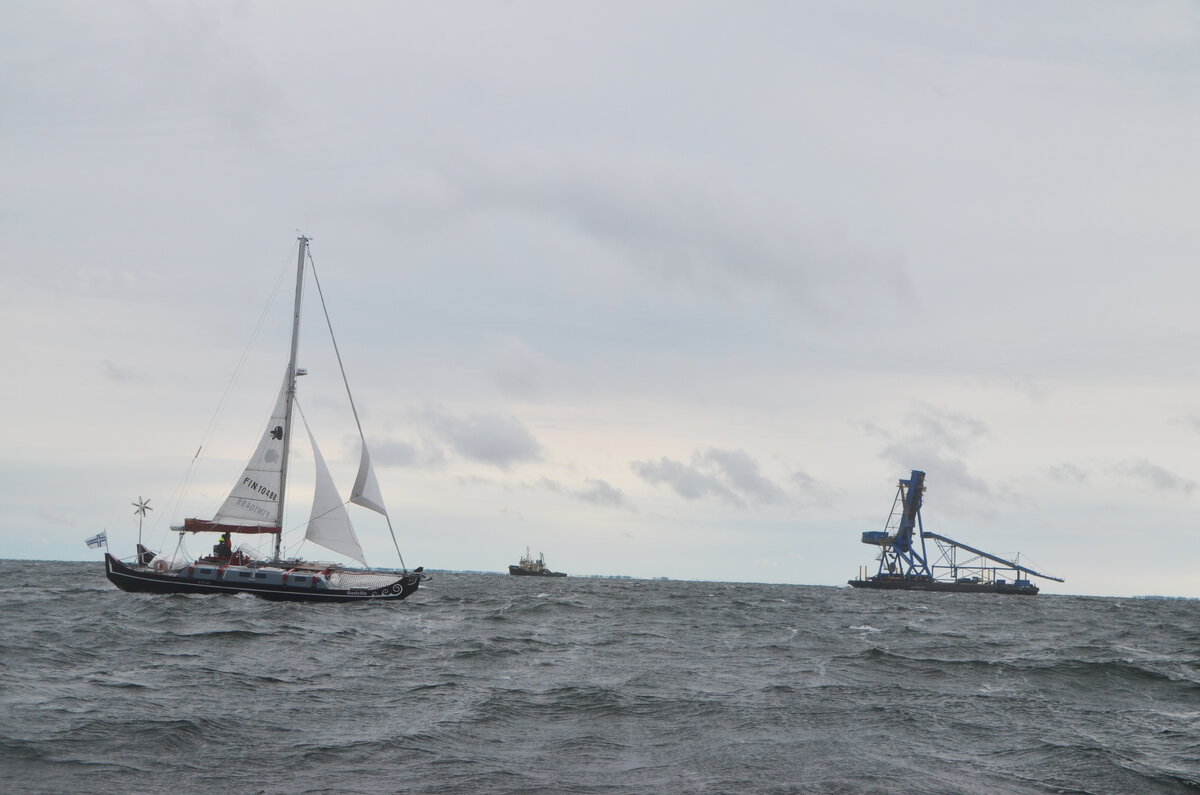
904,555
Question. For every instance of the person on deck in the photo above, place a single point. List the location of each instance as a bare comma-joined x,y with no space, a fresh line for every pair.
222,549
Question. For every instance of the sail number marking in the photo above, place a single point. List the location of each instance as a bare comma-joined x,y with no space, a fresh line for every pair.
254,485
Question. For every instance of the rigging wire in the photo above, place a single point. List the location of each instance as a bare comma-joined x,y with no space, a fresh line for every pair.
175,502
346,382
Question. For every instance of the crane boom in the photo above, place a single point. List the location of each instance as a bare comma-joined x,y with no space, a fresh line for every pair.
992,557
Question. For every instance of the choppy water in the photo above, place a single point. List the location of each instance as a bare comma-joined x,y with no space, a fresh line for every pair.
491,683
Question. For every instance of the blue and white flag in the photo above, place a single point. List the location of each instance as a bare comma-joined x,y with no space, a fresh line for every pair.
98,540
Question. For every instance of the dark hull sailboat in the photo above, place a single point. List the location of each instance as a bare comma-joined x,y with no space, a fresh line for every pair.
255,506
269,582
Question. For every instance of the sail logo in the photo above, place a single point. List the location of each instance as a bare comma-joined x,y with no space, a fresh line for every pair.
253,485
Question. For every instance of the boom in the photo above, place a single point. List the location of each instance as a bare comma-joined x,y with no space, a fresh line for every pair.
991,557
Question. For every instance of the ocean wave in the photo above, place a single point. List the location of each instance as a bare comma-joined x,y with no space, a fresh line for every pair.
483,683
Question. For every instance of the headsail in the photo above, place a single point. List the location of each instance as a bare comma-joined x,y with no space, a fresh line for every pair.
366,488
329,524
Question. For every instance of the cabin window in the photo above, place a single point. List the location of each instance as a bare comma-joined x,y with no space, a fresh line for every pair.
260,576
204,571
243,574
299,578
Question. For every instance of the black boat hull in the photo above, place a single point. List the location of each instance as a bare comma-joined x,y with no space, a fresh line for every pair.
911,584
138,580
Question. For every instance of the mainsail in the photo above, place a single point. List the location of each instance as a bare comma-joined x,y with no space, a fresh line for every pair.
253,504
329,525
255,498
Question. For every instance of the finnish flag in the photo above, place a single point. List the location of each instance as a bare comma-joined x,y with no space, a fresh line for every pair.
98,540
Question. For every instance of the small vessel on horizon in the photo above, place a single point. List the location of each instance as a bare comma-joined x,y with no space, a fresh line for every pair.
905,562
255,506
528,567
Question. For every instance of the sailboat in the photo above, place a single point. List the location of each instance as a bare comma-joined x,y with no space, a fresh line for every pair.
255,506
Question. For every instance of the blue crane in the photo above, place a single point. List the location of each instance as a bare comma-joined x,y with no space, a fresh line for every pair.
905,562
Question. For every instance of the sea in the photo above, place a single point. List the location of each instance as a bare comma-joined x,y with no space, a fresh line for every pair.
487,683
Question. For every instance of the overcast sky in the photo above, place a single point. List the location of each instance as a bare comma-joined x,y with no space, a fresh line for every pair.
659,289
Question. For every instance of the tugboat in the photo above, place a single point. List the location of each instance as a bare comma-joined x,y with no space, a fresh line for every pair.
905,562
528,567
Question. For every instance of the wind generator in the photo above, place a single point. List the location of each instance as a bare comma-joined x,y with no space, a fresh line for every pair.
144,556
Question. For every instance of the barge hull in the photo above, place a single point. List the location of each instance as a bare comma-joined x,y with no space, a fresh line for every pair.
909,584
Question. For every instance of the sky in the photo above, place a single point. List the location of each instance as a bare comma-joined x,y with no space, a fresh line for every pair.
665,289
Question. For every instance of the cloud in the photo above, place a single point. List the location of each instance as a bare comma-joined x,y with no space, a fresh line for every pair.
393,453
515,367
1191,420
124,375
688,482
601,492
598,492
741,472
729,475
937,442
673,227
950,430
1155,476
497,439
809,490
1067,473
477,482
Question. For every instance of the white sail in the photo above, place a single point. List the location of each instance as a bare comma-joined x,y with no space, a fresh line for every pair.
255,498
329,524
366,488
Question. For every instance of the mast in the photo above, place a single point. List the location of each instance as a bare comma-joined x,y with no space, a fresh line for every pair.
291,390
